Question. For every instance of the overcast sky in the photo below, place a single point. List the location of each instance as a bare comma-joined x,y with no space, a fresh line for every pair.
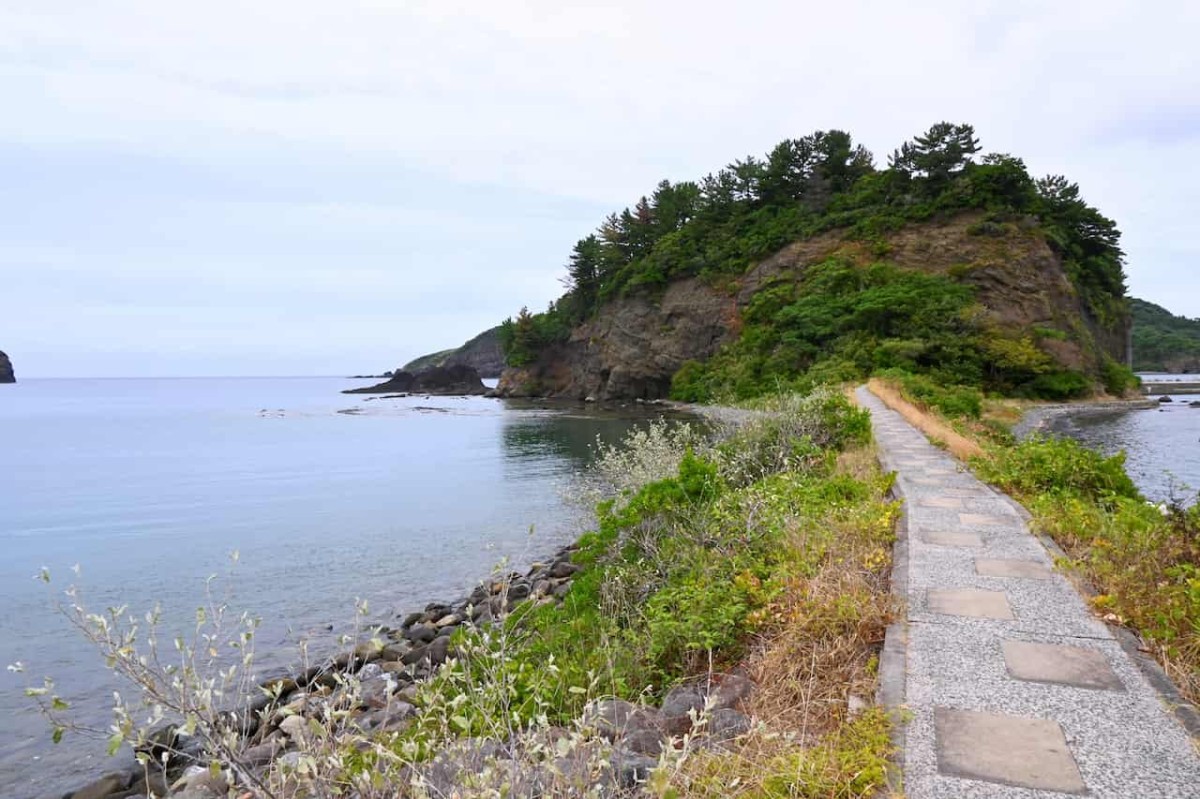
300,187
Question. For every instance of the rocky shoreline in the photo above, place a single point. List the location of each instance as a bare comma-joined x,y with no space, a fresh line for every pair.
1042,419
389,670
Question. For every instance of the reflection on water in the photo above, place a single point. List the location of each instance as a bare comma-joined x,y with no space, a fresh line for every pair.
1162,444
569,432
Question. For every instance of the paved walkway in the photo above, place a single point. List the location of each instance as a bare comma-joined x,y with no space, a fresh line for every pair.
1014,689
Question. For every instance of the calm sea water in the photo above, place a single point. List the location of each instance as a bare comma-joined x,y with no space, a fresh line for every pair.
149,485
1162,444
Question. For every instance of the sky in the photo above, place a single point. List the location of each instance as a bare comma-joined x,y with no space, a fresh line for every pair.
326,188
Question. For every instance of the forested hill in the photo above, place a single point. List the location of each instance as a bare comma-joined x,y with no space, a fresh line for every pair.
812,262
1162,341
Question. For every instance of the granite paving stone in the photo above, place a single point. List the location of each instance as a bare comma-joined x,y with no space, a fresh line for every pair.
1028,696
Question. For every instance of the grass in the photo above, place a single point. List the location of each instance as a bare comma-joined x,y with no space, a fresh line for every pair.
925,420
768,551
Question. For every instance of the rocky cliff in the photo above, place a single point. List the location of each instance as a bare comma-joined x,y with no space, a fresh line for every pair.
635,344
447,380
481,353
6,370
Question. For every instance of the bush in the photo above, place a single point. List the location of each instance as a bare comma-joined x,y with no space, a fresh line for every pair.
951,401
1060,385
1060,466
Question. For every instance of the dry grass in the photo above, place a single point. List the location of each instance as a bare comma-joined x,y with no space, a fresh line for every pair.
815,669
934,428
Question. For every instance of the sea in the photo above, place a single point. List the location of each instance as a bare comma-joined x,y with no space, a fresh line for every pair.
139,491
1161,444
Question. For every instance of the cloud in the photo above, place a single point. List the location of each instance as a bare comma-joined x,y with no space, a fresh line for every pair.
448,146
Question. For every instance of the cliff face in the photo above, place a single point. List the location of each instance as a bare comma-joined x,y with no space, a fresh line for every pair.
634,345
449,380
6,370
481,353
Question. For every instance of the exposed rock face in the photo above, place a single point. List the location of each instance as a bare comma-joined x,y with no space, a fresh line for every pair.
632,348
6,370
437,380
636,344
481,353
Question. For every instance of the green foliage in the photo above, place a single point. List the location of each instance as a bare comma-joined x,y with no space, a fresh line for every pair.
674,573
1162,341
1117,378
522,339
841,321
954,402
719,226
1060,466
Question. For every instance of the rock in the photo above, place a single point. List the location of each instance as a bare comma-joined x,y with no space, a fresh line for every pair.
111,783
616,718
159,744
460,759
1165,399
730,690
519,591
415,655
6,370
482,353
681,700
1194,404
563,568
263,753
393,652
294,727
439,650
633,344
440,380
153,784
201,782
411,619
725,724
561,590
643,741
369,672
421,633
632,769
855,705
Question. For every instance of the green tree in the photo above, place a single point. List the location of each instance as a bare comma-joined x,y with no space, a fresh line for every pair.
935,158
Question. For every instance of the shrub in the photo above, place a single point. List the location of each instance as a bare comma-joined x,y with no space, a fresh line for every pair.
1060,466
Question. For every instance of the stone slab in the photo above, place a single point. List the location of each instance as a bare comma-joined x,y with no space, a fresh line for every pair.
984,519
940,502
945,539
1056,663
1023,569
972,602
1011,750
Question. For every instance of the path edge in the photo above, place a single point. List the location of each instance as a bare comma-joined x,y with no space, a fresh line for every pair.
1184,711
893,658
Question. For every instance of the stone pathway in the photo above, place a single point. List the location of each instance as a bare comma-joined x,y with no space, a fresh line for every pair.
1013,688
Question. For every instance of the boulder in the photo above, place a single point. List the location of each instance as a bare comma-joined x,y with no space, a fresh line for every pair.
111,783
6,370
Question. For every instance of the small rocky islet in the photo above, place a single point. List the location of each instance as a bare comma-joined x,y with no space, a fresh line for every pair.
390,669
6,370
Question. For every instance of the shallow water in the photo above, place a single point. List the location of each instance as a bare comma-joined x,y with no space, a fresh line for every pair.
149,485
1162,444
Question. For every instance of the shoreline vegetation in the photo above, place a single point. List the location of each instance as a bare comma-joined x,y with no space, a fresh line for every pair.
716,634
